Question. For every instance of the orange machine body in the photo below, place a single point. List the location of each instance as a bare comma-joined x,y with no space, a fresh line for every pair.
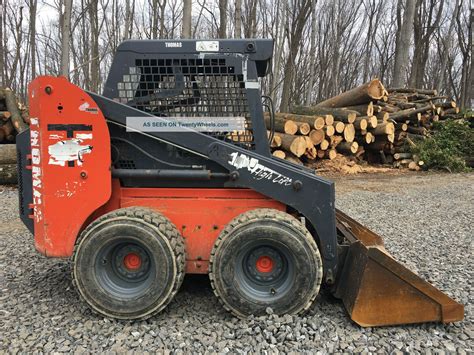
200,214
72,183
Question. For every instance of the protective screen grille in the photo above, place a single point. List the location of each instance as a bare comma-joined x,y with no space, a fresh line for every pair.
189,88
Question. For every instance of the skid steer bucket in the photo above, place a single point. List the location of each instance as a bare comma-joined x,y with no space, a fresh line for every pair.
377,290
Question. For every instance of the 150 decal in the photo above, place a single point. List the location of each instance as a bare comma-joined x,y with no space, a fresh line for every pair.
259,171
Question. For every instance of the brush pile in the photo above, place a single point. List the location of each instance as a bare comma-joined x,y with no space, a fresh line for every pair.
366,124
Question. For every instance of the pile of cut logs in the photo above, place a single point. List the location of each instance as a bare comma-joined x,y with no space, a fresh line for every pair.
368,123
14,118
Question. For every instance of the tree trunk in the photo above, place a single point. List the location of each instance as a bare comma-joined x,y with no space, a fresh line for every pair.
32,31
294,34
94,61
403,43
187,17
66,34
312,53
238,19
222,18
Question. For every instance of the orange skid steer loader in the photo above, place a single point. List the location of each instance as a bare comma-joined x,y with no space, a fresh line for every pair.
131,188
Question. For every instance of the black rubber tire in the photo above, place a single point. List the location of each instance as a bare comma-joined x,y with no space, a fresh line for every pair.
278,231
163,248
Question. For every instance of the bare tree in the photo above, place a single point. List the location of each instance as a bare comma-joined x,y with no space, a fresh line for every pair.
32,31
427,18
65,21
238,19
404,36
187,13
300,11
94,35
223,18
312,53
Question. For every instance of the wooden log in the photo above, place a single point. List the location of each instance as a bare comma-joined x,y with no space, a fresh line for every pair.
413,91
417,130
294,144
5,115
373,90
334,141
398,156
348,147
403,115
329,120
364,110
372,122
340,114
314,121
370,138
8,130
324,145
311,153
384,116
279,154
366,138
8,174
413,166
339,126
349,133
317,136
451,111
330,154
381,145
303,128
293,158
388,107
360,123
360,151
321,154
7,154
282,125
448,105
276,140
384,128
12,106
329,130
400,126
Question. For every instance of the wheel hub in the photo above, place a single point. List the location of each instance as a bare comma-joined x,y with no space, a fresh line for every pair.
132,261
264,264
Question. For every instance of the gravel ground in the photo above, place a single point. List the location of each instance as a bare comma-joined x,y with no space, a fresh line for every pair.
425,219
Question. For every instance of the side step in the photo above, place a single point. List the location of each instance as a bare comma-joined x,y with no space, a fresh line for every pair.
377,290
